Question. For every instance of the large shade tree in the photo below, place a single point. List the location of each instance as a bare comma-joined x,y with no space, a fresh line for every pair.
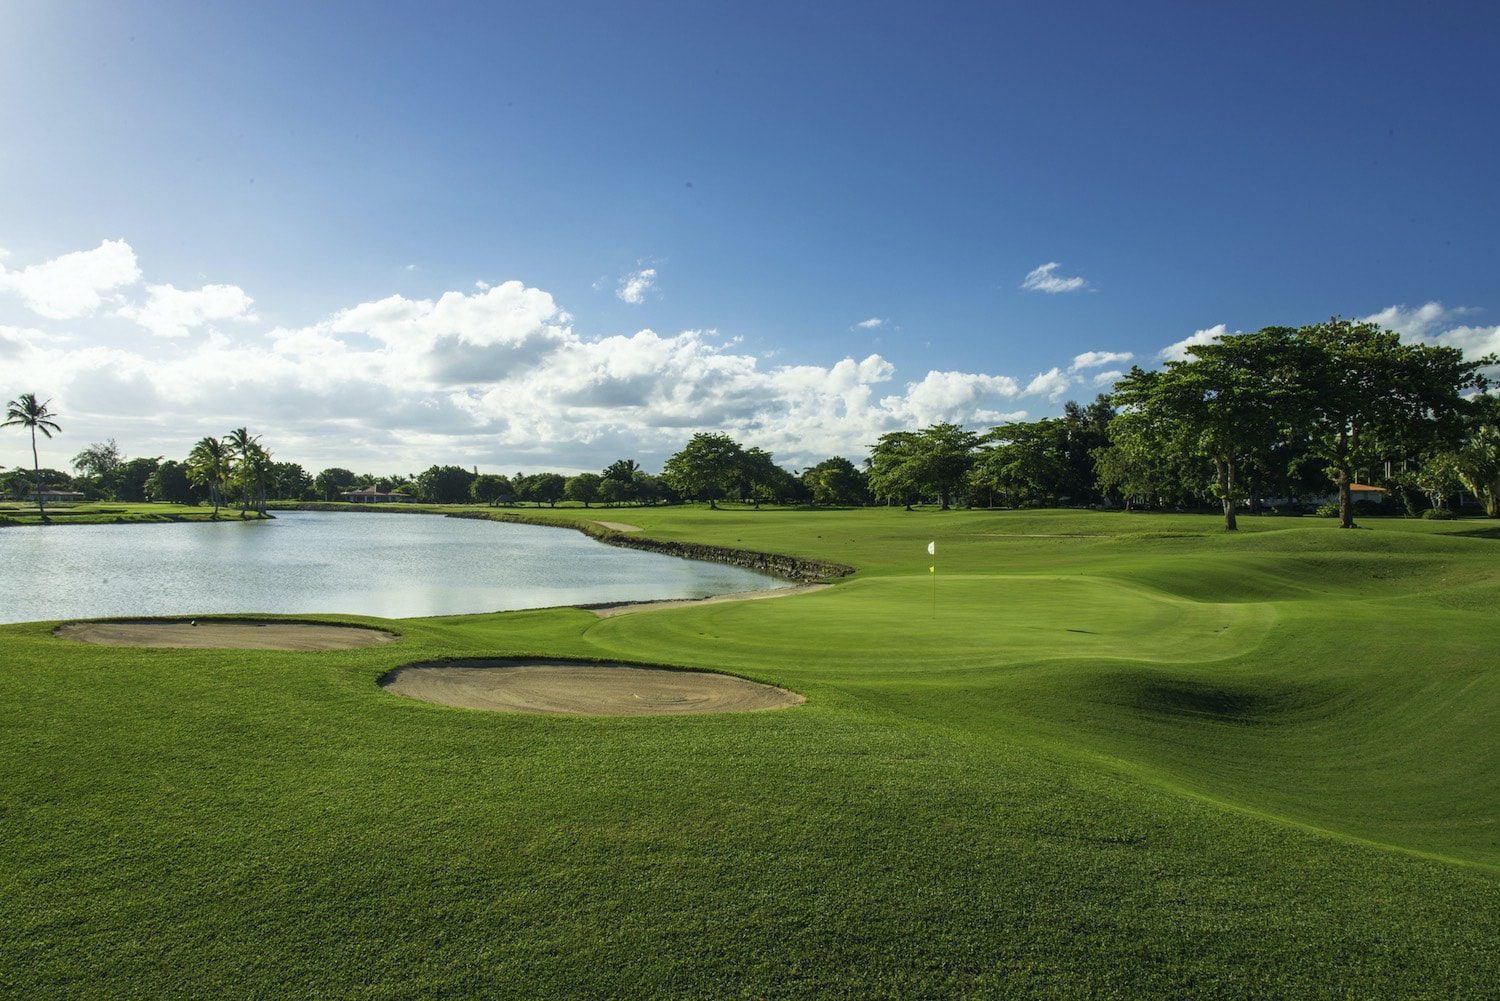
707,467
1366,394
934,461
490,488
25,411
836,481
1227,403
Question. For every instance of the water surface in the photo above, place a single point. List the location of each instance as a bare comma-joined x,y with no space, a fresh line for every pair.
390,565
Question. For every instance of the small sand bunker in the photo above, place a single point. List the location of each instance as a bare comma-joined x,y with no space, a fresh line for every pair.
561,686
618,526
608,610
240,634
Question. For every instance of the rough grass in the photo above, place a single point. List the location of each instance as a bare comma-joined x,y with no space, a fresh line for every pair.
1101,755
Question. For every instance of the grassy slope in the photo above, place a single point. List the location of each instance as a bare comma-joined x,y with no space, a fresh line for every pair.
1110,755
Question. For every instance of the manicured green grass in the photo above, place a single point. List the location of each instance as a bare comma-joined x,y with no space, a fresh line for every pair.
113,512
1099,755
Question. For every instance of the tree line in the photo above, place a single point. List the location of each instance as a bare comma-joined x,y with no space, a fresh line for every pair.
1279,416
1282,413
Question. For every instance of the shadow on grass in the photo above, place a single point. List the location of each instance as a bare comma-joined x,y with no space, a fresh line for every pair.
1244,706
1480,533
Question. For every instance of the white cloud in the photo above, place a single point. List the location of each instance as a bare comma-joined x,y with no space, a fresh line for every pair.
1420,322
1098,359
174,312
1108,378
1044,279
71,285
634,286
1053,383
1179,351
949,396
495,377
871,323
1434,323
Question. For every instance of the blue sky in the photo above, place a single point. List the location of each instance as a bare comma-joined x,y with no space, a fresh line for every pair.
782,171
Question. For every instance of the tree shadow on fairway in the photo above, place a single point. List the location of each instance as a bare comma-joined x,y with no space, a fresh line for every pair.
1479,533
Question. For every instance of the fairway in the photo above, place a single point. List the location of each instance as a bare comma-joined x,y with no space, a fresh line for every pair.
1096,754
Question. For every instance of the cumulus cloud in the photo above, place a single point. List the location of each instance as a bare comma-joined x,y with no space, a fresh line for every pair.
73,285
871,323
949,396
1046,279
174,312
1108,378
1179,351
1098,359
1053,384
634,286
496,376
492,376
1420,322
1434,323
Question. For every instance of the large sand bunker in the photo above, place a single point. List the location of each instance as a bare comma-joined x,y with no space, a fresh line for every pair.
560,686
238,634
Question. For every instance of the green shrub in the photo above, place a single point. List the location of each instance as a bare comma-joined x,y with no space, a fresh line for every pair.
1439,514
1328,511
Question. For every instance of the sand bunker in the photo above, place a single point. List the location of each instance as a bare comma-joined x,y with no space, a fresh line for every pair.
559,686
618,526
239,634
611,609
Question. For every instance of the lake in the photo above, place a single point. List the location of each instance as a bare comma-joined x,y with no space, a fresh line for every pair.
388,565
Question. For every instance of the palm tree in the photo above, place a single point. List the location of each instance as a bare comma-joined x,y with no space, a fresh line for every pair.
28,413
242,445
255,476
210,465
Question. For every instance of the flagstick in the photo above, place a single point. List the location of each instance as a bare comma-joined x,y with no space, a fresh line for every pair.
932,573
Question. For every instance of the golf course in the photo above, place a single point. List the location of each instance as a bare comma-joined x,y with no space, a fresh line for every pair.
1093,754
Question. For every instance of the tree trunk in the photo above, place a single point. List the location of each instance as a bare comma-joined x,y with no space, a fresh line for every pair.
1346,505
1226,492
36,479
1342,475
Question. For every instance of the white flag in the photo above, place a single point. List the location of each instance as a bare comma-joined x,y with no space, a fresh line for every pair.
932,549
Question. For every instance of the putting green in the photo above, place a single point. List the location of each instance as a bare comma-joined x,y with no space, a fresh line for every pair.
952,623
